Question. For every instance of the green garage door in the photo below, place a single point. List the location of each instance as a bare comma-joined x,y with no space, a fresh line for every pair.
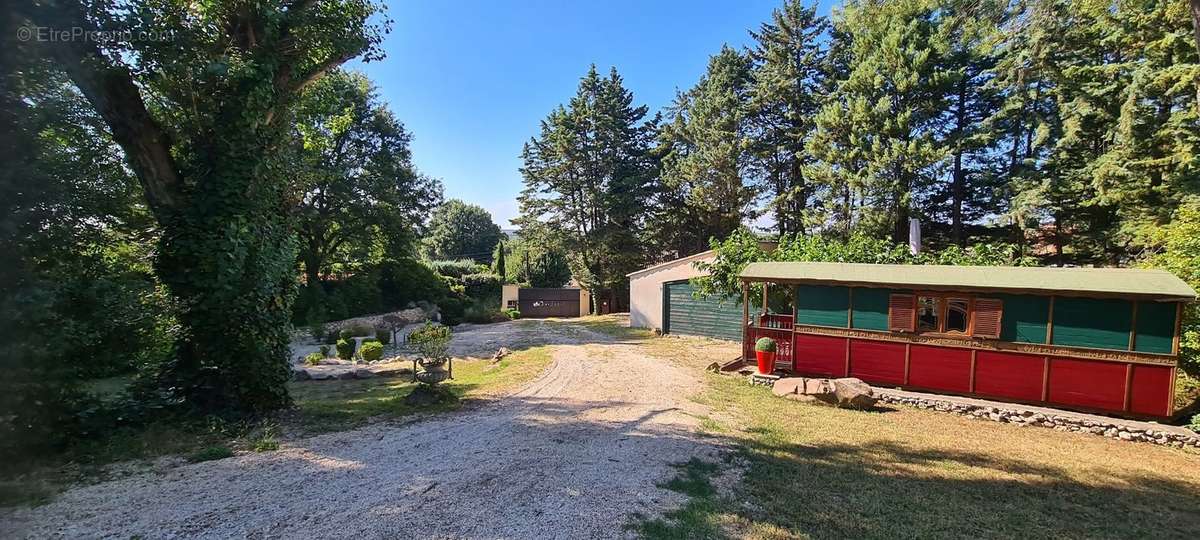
685,314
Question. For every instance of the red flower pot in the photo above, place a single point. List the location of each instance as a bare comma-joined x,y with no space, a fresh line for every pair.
766,362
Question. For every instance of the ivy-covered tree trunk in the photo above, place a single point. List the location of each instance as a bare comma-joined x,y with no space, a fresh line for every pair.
229,258
205,151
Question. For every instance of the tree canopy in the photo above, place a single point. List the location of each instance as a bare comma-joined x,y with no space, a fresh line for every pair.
458,230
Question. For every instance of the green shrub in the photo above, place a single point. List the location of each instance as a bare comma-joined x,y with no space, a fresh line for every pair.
407,281
345,334
765,344
457,269
313,358
371,351
210,453
482,286
483,313
383,335
452,310
361,330
430,340
324,351
512,313
345,348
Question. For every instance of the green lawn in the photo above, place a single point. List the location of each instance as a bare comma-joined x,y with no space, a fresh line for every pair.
821,472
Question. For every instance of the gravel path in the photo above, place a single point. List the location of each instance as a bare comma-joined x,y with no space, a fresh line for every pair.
573,454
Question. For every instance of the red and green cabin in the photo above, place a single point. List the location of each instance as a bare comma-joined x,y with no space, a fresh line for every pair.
1093,339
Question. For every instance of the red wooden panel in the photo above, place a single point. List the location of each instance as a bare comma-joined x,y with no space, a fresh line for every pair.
1151,390
1009,375
820,355
939,368
1087,383
877,361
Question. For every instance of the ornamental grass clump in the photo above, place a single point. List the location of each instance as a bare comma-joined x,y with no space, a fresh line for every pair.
313,358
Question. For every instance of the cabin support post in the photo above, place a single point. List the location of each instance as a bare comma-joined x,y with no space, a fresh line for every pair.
745,317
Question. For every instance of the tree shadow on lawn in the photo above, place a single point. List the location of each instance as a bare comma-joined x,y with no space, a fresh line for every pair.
887,490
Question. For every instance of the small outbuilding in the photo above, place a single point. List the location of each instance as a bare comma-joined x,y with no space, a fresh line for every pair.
1093,339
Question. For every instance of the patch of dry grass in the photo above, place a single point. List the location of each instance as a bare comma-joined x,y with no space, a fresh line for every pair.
815,471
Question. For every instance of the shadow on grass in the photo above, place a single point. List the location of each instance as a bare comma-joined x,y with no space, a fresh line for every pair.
884,489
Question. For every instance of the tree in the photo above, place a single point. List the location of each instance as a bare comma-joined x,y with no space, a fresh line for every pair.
458,230
788,77
876,132
201,118
499,266
587,175
708,172
354,176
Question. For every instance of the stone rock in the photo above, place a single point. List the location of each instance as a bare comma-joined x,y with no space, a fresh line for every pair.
346,375
500,354
392,371
788,385
363,373
320,375
713,367
852,393
301,374
333,362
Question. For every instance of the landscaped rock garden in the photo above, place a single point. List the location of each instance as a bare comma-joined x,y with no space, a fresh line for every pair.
1126,430
847,393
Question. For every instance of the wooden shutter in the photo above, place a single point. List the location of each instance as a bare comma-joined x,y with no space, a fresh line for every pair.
988,312
901,313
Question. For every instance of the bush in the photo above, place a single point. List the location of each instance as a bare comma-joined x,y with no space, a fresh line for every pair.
313,358
431,341
211,453
406,281
457,269
361,330
765,344
345,348
512,313
483,312
371,351
383,335
325,351
482,286
345,334
452,310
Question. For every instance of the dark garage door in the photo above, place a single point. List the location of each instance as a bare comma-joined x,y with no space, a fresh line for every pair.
685,314
535,302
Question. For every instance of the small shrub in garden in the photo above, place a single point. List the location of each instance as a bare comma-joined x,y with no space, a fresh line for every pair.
513,314
371,351
346,334
313,358
345,348
431,341
765,344
324,351
383,335
210,453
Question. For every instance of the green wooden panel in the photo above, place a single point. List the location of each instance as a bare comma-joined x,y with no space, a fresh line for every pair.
686,314
822,306
1025,317
1155,327
871,308
1092,322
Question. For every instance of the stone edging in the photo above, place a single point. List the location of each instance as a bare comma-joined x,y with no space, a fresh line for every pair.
1114,429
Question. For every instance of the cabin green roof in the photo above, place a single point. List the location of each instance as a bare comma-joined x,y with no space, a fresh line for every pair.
1127,282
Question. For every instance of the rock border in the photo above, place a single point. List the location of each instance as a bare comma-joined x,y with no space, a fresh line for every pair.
1114,429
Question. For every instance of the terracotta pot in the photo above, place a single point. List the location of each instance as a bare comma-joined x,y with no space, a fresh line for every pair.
766,362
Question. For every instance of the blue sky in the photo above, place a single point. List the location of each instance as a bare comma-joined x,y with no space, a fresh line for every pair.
472,79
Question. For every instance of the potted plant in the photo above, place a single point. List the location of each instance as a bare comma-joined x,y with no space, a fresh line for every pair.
764,349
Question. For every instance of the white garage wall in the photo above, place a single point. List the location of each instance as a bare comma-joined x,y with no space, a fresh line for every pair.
646,288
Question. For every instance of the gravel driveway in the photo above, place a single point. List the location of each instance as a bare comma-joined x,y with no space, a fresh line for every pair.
573,454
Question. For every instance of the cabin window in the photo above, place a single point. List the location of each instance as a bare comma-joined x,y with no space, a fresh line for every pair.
958,315
928,314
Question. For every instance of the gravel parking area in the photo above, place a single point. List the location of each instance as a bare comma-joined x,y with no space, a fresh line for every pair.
574,454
